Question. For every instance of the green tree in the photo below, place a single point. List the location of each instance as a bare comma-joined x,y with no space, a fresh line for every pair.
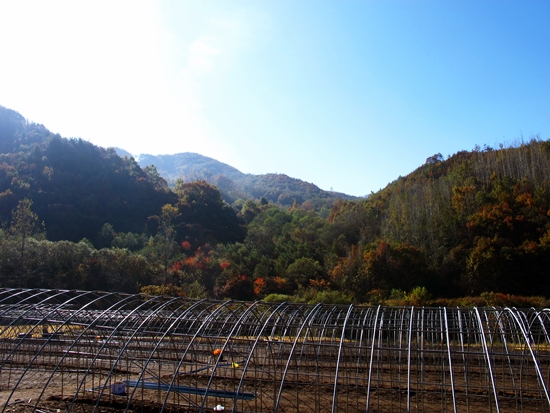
154,177
166,237
303,270
205,217
105,236
249,210
24,225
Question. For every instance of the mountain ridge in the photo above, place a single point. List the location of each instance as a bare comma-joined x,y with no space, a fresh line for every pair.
235,185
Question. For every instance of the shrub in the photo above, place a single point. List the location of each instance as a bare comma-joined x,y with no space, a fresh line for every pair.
170,290
331,297
418,296
278,298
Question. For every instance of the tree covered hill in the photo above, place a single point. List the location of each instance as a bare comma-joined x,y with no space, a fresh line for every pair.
237,186
475,223
77,188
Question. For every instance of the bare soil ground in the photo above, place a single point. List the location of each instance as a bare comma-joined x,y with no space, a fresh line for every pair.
396,384
296,397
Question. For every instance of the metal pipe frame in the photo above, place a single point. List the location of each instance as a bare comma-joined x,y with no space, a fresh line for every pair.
92,351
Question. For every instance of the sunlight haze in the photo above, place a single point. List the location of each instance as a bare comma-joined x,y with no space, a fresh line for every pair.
348,95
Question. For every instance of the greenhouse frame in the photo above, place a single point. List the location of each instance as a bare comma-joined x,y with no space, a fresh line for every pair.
90,351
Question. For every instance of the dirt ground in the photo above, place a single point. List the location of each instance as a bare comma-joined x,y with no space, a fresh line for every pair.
296,397
421,384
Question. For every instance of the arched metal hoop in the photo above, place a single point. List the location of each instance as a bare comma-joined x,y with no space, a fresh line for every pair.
97,351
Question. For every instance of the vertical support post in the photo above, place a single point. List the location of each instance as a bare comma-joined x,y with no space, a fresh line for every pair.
450,358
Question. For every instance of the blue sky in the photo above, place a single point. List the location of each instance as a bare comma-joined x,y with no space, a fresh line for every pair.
349,95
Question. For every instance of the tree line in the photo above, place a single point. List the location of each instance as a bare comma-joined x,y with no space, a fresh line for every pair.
78,216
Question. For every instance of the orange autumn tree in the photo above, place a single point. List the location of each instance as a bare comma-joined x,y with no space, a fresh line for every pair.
259,286
238,287
198,269
508,238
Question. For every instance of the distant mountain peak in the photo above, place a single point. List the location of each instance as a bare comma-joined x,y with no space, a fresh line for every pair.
278,188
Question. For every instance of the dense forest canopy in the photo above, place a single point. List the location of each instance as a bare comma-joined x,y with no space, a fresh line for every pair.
78,216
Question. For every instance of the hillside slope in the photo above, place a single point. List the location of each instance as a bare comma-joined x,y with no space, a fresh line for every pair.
480,220
76,187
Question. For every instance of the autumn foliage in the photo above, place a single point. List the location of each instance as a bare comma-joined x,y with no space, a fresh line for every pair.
474,224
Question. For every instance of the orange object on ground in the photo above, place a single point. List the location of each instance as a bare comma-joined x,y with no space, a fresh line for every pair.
217,352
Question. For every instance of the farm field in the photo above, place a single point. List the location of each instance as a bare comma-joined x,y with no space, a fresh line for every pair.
106,352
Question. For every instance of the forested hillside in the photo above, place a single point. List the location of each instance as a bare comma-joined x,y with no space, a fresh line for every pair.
62,201
75,187
78,216
478,221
